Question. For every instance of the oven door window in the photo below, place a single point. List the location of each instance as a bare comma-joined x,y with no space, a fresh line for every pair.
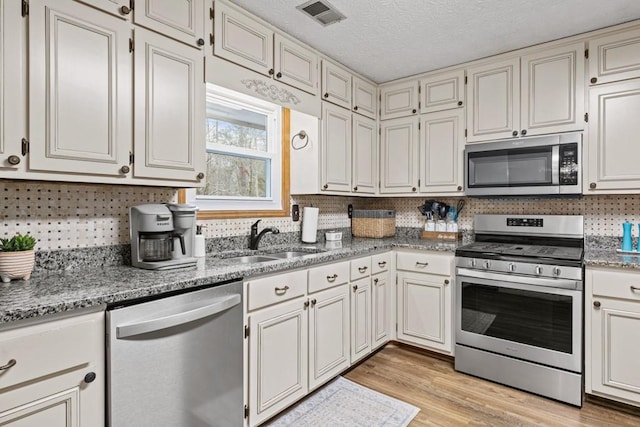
535,318
512,168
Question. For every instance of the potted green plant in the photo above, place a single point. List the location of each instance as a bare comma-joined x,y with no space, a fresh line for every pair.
17,257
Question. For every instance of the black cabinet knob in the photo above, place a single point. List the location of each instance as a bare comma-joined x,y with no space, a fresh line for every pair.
594,80
459,187
592,185
271,71
200,42
523,131
200,175
125,169
355,188
414,111
90,377
324,187
414,189
514,133
13,160
279,74
355,108
326,95
125,10
459,103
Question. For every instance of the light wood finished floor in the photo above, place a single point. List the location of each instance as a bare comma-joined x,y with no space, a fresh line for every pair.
449,398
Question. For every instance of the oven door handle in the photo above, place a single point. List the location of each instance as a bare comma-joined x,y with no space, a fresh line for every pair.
525,280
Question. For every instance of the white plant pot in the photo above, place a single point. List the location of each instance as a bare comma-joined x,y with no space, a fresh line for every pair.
16,265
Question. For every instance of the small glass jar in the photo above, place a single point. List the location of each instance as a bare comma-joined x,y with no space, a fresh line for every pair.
441,225
430,225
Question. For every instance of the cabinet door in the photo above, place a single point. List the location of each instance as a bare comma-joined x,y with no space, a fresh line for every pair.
121,8
380,309
57,409
614,57
336,84
336,148
13,113
424,310
553,91
360,319
365,155
493,97
79,89
242,40
295,65
442,152
180,20
328,334
169,109
277,358
364,98
613,132
399,100
399,156
442,92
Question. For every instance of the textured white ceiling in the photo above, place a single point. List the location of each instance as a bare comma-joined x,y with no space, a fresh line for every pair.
388,39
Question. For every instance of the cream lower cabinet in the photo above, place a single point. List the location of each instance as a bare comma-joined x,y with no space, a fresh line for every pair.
382,314
360,289
54,373
612,323
425,300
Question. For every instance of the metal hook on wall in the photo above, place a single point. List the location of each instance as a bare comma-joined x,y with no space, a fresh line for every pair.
303,136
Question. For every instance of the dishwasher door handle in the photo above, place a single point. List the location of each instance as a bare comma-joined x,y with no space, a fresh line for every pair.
218,305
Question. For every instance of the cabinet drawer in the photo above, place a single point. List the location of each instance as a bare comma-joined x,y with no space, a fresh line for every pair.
360,268
48,348
380,262
616,284
426,262
328,276
271,290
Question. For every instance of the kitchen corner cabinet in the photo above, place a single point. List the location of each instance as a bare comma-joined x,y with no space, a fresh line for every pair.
336,84
336,149
399,100
58,374
425,303
612,138
399,156
614,57
442,152
442,92
612,322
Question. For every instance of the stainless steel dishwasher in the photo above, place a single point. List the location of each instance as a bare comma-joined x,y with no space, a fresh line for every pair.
177,361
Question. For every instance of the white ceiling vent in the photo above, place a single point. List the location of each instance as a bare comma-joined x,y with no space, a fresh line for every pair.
321,11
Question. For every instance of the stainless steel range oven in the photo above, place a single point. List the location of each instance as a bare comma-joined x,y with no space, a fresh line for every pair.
519,299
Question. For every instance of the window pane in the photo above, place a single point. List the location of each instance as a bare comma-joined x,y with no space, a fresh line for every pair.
235,176
236,127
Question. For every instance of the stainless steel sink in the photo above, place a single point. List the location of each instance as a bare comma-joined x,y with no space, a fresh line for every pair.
252,258
290,254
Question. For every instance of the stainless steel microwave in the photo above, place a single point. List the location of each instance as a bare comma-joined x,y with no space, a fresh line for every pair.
545,165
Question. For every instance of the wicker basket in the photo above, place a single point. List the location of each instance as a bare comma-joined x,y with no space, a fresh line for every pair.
375,223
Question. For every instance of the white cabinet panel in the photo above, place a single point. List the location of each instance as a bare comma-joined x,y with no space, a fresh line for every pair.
242,40
381,314
399,100
169,109
365,155
115,7
336,148
181,20
614,57
364,98
553,91
295,65
442,152
59,409
360,318
493,94
336,84
79,89
613,133
442,92
399,156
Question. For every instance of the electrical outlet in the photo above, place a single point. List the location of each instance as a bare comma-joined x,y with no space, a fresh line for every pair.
295,213
350,210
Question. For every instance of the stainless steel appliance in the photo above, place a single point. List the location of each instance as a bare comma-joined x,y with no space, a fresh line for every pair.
162,236
533,166
519,299
177,361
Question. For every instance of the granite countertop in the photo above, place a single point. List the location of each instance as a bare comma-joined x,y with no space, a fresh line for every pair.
600,251
60,291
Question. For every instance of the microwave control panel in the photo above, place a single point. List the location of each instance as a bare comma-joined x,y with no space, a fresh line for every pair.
569,164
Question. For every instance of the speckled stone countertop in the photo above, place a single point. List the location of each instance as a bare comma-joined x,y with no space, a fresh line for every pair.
600,251
49,292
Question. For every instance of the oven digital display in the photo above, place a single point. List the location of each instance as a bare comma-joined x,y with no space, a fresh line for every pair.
525,222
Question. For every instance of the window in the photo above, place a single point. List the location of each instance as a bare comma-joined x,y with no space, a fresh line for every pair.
247,158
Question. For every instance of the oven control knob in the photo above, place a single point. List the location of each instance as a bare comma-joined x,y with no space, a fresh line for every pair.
512,267
556,271
472,262
487,264
538,270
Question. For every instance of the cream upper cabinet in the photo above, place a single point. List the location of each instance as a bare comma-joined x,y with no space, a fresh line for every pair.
614,57
399,156
442,91
364,155
612,139
399,100
442,152
336,84
295,65
552,91
364,98
336,148
121,8
493,97
381,310
360,318
612,323
180,20
242,40
80,95
169,108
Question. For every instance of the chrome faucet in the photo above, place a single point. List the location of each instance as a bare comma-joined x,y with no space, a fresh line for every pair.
254,239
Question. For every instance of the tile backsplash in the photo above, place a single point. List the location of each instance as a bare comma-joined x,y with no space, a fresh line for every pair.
66,215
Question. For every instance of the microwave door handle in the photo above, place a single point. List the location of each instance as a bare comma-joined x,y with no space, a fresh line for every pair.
555,165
